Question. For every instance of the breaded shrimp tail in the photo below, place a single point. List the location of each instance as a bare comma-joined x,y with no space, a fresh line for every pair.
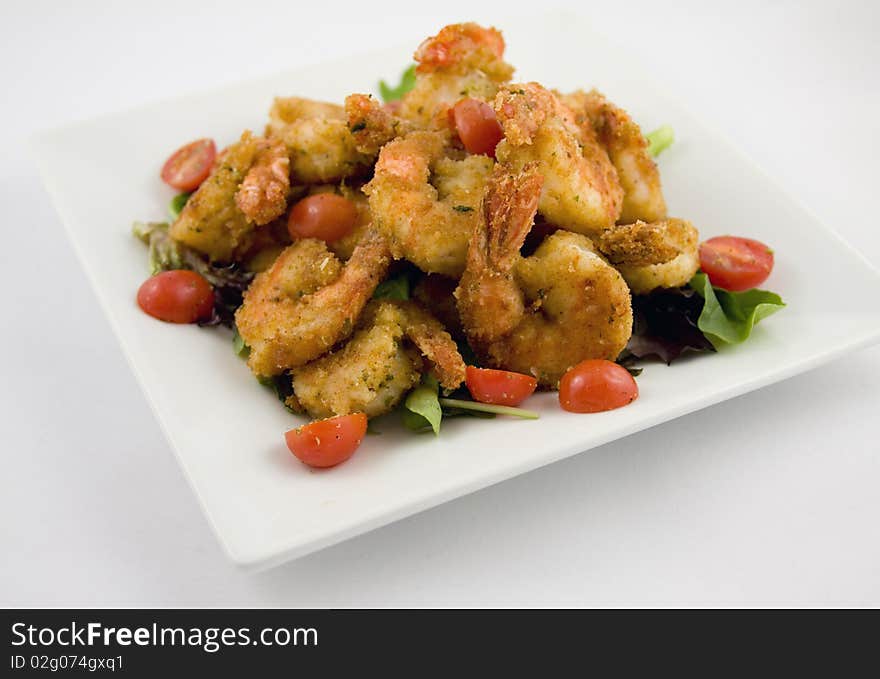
469,44
262,195
509,210
488,300
435,344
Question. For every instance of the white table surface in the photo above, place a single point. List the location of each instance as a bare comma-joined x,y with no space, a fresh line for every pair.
770,499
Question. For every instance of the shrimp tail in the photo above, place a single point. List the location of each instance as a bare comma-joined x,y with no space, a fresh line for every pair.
489,301
509,212
435,344
457,43
368,265
263,193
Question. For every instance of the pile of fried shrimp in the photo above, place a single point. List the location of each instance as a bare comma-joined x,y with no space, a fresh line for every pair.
529,246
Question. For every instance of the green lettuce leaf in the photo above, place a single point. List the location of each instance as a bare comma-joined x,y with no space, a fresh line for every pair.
452,411
487,408
407,82
175,207
728,317
238,346
396,288
422,406
660,139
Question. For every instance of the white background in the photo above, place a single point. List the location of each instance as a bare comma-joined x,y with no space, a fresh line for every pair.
770,499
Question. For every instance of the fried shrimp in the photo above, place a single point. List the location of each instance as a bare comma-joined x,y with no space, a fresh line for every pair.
307,301
542,314
262,195
628,150
372,124
426,202
462,60
581,191
662,254
212,221
380,363
319,143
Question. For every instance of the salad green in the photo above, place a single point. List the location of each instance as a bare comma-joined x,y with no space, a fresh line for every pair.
407,82
424,408
728,317
175,207
660,139
396,288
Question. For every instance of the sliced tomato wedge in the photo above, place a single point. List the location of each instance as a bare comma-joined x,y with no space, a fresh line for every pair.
326,216
190,165
735,263
595,385
477,126
499,387
327,443
178,296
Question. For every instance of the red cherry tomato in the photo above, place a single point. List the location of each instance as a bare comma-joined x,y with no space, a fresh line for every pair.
190,165
477,127
326,443
177,297
326,216
735,263
596,385
501,387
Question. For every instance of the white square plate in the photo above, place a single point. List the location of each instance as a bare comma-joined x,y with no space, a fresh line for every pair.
227,430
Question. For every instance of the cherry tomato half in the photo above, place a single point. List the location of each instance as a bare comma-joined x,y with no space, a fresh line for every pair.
190,165
500,387
596,385
178,296
326,216
735,263
326,443
477,127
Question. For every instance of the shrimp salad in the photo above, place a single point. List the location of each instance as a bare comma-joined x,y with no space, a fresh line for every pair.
444,250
